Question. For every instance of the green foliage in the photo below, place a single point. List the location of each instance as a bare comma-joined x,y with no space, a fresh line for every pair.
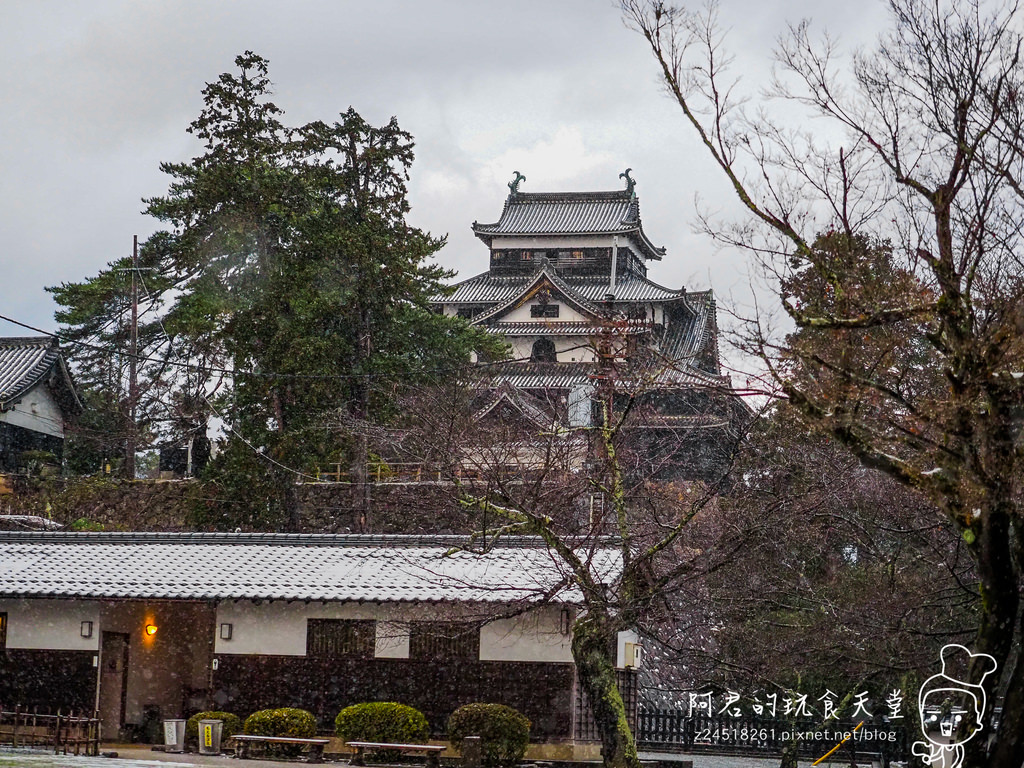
382,721
290,283
232,725
504,733
84,524
286,721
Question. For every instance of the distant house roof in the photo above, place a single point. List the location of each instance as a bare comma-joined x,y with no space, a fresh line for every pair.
28,361
571,213
193,566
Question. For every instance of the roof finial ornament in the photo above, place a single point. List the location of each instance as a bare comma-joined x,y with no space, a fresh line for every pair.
630,183
514,184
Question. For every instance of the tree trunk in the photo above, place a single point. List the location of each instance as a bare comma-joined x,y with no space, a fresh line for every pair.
593,650
1000,603
1008,751
790,756
361,412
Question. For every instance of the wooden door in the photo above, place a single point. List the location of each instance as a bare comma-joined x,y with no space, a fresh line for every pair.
113,682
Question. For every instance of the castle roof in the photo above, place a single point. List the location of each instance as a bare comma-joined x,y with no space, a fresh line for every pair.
534,214
489,288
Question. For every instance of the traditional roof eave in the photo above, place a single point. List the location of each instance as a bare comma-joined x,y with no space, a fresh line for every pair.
543,276
26,362
505,393
487,288
565,214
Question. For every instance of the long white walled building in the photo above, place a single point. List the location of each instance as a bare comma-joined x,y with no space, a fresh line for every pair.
142,627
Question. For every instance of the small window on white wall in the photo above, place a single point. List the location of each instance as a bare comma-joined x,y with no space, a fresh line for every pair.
339,638
444,641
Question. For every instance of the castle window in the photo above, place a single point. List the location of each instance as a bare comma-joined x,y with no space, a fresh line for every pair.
543,351
544,310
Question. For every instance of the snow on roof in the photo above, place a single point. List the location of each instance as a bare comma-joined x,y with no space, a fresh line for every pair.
283,567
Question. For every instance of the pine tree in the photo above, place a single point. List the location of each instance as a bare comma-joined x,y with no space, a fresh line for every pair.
294,289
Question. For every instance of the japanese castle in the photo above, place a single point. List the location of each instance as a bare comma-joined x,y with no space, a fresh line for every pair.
566,267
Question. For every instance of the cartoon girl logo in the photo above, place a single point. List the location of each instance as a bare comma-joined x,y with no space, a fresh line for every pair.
951,708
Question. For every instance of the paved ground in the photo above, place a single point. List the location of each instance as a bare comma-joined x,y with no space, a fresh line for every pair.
144,757
129,757
716,761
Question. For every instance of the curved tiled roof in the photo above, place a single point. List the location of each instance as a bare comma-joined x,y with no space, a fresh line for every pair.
571,213
28,360
535,281
488,288
566,328
572,375
565,213
281,567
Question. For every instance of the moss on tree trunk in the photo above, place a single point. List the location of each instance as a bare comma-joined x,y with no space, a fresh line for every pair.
593,649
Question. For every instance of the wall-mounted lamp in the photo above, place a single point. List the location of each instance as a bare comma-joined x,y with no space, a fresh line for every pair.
151,629
86,630
225,631
565,621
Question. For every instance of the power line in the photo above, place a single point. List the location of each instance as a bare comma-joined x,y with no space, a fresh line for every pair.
263,374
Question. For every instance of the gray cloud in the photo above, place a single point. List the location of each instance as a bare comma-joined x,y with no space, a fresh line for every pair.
95,95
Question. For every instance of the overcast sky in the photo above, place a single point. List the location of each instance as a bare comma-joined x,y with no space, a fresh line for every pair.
93,96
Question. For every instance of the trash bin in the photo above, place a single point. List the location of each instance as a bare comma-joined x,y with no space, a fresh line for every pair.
174,735
209,736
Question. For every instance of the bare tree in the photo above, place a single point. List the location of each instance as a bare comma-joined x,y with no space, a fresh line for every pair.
584,491
929,170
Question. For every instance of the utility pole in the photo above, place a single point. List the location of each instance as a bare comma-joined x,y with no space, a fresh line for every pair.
133,369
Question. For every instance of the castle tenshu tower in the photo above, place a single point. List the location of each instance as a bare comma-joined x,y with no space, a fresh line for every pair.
567,266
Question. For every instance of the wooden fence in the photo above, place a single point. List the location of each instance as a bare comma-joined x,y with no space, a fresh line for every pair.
674,730
64,734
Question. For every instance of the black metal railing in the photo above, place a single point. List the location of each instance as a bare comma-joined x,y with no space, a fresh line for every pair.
676,730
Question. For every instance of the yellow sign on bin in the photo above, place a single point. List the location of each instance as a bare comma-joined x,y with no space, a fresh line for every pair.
207,735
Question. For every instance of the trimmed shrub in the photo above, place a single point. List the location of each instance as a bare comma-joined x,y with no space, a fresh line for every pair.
382,721
504,733
232,725
286,721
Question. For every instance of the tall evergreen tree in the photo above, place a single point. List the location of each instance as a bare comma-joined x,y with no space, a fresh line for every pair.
288,264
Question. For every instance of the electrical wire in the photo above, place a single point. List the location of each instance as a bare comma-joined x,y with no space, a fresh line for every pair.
264,374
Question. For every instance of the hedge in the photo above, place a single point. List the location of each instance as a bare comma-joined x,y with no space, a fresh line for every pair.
286,721
504,733
382,721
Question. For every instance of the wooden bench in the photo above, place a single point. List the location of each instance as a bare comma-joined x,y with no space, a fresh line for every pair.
316,746
433,750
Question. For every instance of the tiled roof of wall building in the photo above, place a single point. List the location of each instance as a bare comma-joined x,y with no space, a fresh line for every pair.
25,361
281,567
571,213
